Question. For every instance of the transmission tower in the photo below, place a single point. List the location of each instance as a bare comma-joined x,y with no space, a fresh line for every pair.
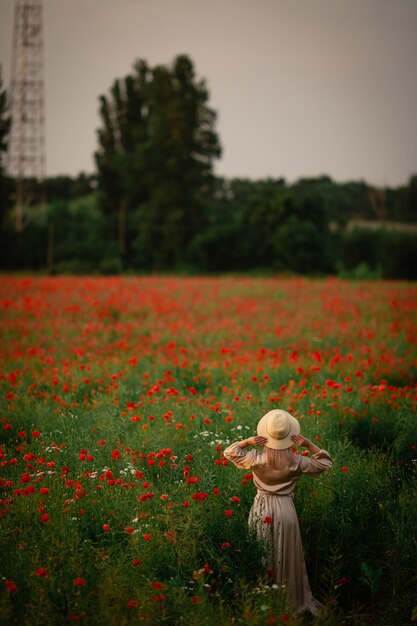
26,152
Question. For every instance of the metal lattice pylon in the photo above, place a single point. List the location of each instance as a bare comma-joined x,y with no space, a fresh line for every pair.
26,151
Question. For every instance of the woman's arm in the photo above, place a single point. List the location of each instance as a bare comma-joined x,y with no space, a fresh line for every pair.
239,456
320,462
252,441
303,442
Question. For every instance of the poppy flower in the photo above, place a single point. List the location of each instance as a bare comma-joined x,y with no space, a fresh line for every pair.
132,604
79,582
41,572
200,495
157,585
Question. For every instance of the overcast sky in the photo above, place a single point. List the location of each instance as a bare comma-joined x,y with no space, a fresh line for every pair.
301,87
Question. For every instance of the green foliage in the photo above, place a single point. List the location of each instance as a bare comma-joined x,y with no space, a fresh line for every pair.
58,188
4,123
388,430
156,150
4,133
384,253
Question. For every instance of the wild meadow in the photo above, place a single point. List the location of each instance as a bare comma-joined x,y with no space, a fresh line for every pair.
117,398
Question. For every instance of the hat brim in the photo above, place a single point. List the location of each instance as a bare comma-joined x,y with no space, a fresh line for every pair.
278,444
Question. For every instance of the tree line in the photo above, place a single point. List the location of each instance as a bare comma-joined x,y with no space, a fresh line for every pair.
155,204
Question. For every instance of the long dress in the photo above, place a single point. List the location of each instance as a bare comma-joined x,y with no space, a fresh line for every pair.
274,518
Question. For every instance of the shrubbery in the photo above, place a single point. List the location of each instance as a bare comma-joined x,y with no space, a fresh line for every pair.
75,237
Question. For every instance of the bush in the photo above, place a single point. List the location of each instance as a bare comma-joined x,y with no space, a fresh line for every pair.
367,254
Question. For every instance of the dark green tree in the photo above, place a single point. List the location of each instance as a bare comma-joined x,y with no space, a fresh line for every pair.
410,208
5,123
155,159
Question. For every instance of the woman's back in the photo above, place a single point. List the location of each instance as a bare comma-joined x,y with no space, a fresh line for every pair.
277,471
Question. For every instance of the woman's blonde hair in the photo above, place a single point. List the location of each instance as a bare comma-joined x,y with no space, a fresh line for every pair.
280,459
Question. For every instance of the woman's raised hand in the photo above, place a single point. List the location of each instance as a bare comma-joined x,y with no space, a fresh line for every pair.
301,441
257,441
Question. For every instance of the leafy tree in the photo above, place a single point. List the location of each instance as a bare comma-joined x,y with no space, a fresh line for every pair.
67,188
5,122
155,159
410,200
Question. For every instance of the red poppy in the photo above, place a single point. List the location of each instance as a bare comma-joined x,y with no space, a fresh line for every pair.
200,495
157,585
11,586
79,582
41,572
132,604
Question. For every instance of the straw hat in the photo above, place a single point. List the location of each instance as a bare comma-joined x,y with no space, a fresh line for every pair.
278,426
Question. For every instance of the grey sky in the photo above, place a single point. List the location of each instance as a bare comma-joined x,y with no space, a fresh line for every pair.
301,87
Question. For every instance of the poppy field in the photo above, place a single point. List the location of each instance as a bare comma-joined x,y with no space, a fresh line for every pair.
118,396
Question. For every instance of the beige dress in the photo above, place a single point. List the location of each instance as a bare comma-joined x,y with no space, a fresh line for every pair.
274,517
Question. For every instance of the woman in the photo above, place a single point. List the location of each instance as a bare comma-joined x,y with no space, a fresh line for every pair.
276,470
